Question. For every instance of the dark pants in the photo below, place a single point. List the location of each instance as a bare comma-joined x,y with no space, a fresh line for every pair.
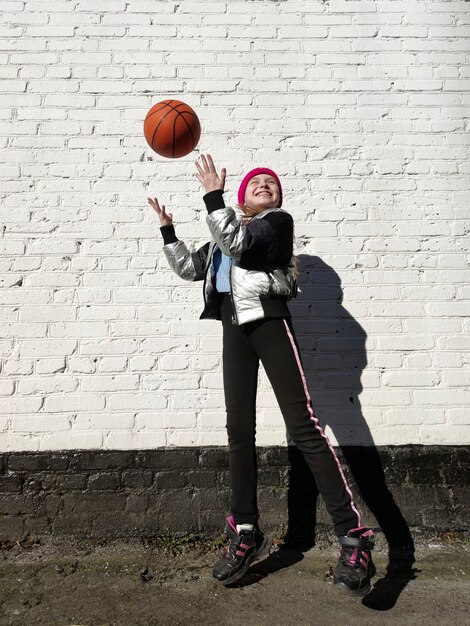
273,342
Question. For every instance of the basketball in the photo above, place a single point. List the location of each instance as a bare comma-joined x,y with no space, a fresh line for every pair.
172,129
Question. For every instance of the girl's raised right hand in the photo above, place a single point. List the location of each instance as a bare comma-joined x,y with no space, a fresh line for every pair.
166,219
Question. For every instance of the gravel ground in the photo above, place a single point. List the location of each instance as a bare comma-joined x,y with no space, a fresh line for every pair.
135,583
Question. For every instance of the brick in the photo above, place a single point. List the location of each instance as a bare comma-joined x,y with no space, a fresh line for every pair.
451,309
11,483
113,6
71,440
118,346
70,482
58,403
112,364
136,504
104,481
50,31
82,503
268,477
143,400
167,459
169,502
102,460
170,480
109,383
136,479
78,329
458,416
37,462
39,424
136,441
205,479
21,405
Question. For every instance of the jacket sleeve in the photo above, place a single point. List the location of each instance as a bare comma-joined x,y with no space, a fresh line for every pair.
263,242
187,265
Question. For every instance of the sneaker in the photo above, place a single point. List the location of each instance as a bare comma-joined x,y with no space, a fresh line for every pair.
243,548
355,567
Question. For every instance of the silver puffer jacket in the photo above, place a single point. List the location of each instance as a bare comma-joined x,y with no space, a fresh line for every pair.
255,293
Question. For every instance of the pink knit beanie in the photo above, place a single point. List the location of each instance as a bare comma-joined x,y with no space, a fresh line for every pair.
255,172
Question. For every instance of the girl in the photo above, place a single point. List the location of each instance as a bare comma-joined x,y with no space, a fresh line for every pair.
249,274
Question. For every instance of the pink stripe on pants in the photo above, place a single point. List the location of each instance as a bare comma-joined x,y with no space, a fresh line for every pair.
317,424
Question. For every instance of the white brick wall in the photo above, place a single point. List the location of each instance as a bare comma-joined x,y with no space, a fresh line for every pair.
361,107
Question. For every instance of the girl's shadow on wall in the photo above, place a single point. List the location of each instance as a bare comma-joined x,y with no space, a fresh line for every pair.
332,346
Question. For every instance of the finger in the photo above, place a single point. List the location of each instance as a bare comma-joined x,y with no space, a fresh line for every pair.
206,166
199,168
211,163
223,174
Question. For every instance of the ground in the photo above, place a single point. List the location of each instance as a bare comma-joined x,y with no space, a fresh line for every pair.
168,582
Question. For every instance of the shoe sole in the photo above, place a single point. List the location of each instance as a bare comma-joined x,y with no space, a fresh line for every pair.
352,592
264,548
356,592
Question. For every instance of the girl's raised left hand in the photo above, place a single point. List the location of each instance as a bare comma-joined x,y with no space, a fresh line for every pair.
208,176
166,219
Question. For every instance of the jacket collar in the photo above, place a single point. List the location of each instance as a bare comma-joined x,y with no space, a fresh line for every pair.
263,213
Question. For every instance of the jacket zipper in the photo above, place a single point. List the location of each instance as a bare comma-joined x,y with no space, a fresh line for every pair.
204,287
209,261
234,316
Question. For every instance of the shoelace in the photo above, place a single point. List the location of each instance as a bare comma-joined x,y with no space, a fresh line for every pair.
358,558
232,549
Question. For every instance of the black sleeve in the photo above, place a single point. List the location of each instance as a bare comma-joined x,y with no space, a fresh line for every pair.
214,200
269,242
168,234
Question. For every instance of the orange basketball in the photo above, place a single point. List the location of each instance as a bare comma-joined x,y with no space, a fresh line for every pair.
172,129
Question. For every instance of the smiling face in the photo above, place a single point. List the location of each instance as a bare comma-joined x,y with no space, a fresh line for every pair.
262,192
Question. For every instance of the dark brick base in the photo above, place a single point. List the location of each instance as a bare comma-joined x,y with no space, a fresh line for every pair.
148,492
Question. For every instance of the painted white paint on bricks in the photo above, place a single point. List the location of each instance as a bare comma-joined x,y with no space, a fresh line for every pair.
359,106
